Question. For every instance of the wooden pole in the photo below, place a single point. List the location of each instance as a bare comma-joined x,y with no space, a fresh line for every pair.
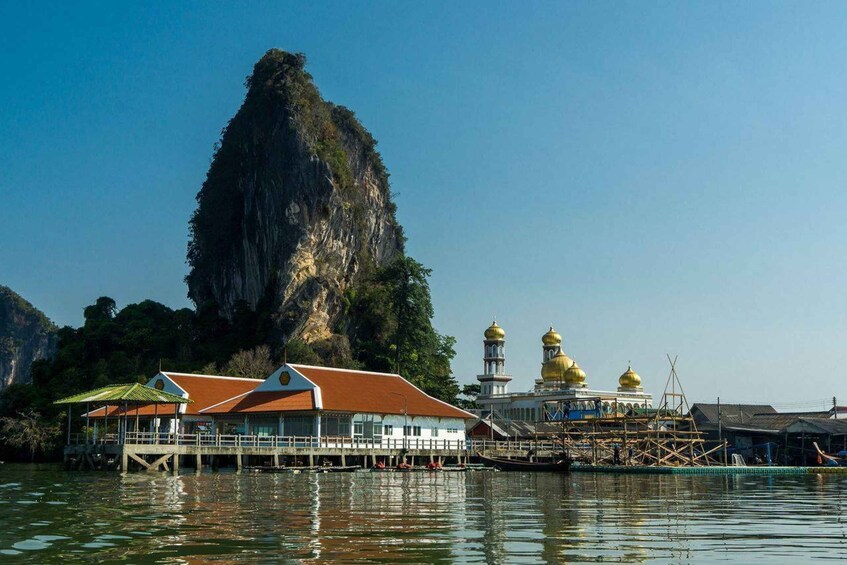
176,425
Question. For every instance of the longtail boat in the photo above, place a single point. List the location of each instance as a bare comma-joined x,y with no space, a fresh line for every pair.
560,466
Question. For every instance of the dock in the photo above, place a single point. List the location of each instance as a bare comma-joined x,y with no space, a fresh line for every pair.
711,470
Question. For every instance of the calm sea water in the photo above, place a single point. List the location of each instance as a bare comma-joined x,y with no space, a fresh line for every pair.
47,515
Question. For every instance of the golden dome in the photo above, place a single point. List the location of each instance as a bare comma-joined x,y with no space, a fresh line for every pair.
495,332
630,379
552,337
555,368
574,375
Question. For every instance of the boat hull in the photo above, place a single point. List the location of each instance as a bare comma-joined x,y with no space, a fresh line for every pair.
561,466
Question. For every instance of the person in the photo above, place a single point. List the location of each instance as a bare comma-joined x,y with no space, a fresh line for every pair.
617,456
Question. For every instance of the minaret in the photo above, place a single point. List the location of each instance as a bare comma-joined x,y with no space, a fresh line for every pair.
494,379
551,343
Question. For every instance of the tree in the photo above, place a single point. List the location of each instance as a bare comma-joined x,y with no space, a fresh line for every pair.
298,351
255,363
469,392
28,430
391,318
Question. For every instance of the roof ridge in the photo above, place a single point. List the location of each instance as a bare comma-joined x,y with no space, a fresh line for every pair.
169,373
225,401
340,370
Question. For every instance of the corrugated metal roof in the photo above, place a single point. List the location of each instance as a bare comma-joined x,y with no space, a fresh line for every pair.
131,393
730,413
818,425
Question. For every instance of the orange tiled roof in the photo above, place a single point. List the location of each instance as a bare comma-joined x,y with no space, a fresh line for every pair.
345,390
266,401
342,390
208,390
204,390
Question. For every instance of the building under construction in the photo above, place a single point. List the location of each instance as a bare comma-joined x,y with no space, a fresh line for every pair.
600,431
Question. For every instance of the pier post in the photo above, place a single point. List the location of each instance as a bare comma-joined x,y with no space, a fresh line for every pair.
124,460
199,463
176,463
276,459
311,460
343,460
238,461
373,460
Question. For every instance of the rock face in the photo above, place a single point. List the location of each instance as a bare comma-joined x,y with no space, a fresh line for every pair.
295,208
26,335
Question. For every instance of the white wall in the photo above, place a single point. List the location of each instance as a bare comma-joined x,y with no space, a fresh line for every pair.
426,423
172,388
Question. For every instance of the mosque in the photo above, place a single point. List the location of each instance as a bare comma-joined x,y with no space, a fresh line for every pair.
562,392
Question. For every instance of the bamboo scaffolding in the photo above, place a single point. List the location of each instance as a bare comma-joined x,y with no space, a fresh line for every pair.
666,438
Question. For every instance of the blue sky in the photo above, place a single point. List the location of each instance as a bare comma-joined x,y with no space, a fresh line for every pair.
652,178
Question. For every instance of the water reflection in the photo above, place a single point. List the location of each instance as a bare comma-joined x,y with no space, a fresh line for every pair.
419,517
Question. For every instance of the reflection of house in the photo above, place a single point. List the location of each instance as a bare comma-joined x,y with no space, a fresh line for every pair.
561,393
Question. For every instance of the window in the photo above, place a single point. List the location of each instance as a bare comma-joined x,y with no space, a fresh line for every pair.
298,425
434,432
358,428
452,430
335,426
387,430
411,430
265,427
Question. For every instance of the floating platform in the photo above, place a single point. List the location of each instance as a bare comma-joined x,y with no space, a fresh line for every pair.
713,470
272,469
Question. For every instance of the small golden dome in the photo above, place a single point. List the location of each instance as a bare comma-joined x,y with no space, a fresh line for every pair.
630,379
555,368
495,332
552,337
574,375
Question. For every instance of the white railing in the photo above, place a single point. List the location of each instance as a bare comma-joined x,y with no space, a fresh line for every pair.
277,442
327,442
101,439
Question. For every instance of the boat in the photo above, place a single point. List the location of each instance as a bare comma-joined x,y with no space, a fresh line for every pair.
838,460
560,466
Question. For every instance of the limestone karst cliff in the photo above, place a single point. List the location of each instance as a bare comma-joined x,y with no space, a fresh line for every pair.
295,207
26,335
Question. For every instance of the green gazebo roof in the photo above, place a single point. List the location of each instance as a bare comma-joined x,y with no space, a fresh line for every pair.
130,393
